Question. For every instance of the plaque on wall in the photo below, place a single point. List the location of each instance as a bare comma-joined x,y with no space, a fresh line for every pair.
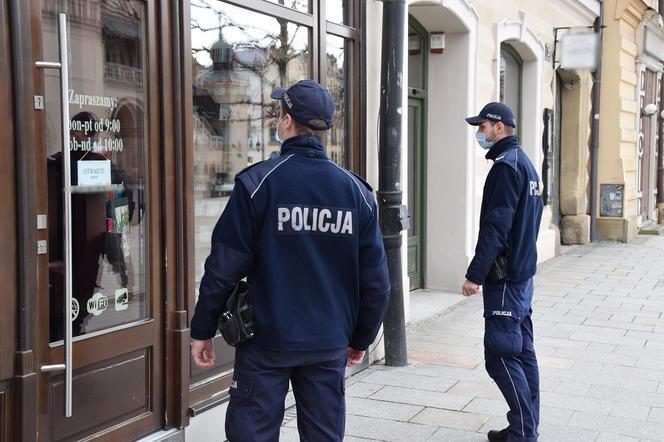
611,200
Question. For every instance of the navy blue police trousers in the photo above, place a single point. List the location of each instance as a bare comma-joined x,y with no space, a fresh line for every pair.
509,354
260,384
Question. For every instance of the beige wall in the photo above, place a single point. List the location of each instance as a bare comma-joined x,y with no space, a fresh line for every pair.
528,26
575,121
619,113
474,31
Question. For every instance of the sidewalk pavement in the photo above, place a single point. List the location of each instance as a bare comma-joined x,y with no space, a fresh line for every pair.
599,334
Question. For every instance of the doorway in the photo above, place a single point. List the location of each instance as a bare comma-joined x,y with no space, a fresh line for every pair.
100,329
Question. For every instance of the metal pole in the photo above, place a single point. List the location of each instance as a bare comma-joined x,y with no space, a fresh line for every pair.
594,146
392,213
64,106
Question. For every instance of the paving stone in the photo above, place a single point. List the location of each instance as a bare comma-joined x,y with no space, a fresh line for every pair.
289,434
450,419
396,378
620,325
650,399
493,407
555,416
632,410
362,389
421,397
381,409
613,437
603,348
576,403
386,430
656,415
587,355
451,435
558,433
476,389
573,387
549,361
642,385
594,337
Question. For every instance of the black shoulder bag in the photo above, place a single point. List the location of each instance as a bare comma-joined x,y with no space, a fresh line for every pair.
236,324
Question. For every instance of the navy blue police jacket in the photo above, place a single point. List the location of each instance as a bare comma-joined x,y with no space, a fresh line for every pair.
510,215
305,232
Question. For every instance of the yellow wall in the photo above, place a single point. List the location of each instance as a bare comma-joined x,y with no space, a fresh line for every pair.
618,113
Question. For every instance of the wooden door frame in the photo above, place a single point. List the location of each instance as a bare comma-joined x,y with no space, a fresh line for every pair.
420,178
420,95
25,378
8,242
148,332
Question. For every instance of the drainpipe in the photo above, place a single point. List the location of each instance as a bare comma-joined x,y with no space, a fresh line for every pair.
594,146
660,156
393,216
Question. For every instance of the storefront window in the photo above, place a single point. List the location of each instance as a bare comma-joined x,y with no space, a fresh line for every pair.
108,150
338,85
298,5
238,58
337,11
240,54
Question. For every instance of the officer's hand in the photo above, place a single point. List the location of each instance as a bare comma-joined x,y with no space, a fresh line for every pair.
203,353
354,356
470,288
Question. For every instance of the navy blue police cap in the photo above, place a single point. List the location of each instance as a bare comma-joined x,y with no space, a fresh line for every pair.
308,102
493,111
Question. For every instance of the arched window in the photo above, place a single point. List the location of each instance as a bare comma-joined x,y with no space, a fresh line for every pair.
511,74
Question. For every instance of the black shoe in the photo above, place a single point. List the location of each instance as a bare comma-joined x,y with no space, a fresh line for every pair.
497,435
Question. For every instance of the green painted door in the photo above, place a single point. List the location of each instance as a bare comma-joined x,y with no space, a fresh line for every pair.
416,193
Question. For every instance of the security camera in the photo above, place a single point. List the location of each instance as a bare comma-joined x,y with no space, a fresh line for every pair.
649,110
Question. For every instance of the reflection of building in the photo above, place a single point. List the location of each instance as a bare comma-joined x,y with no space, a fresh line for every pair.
336,82
235,118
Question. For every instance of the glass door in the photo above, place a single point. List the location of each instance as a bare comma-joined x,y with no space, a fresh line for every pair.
101,367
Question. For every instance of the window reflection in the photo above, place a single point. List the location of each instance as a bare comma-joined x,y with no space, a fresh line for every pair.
108,164
298,5
338,85
238,58
336,11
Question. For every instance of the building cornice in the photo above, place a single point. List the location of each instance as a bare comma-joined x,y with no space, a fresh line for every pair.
588,9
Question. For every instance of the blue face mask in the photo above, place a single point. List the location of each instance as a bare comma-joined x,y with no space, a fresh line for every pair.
276,135
483,142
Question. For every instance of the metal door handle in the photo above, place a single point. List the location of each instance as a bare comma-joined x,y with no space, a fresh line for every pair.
63,67
52,368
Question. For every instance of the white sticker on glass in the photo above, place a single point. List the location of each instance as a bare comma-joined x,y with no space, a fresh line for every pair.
97,304
94,173
75,308
121,300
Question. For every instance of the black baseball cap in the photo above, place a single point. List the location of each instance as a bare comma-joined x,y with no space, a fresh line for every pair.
308,102
494,111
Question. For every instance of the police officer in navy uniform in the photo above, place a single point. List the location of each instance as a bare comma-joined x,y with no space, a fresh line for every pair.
305,233
504,264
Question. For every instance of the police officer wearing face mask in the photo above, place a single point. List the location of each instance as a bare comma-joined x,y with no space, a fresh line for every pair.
504,264
305,233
